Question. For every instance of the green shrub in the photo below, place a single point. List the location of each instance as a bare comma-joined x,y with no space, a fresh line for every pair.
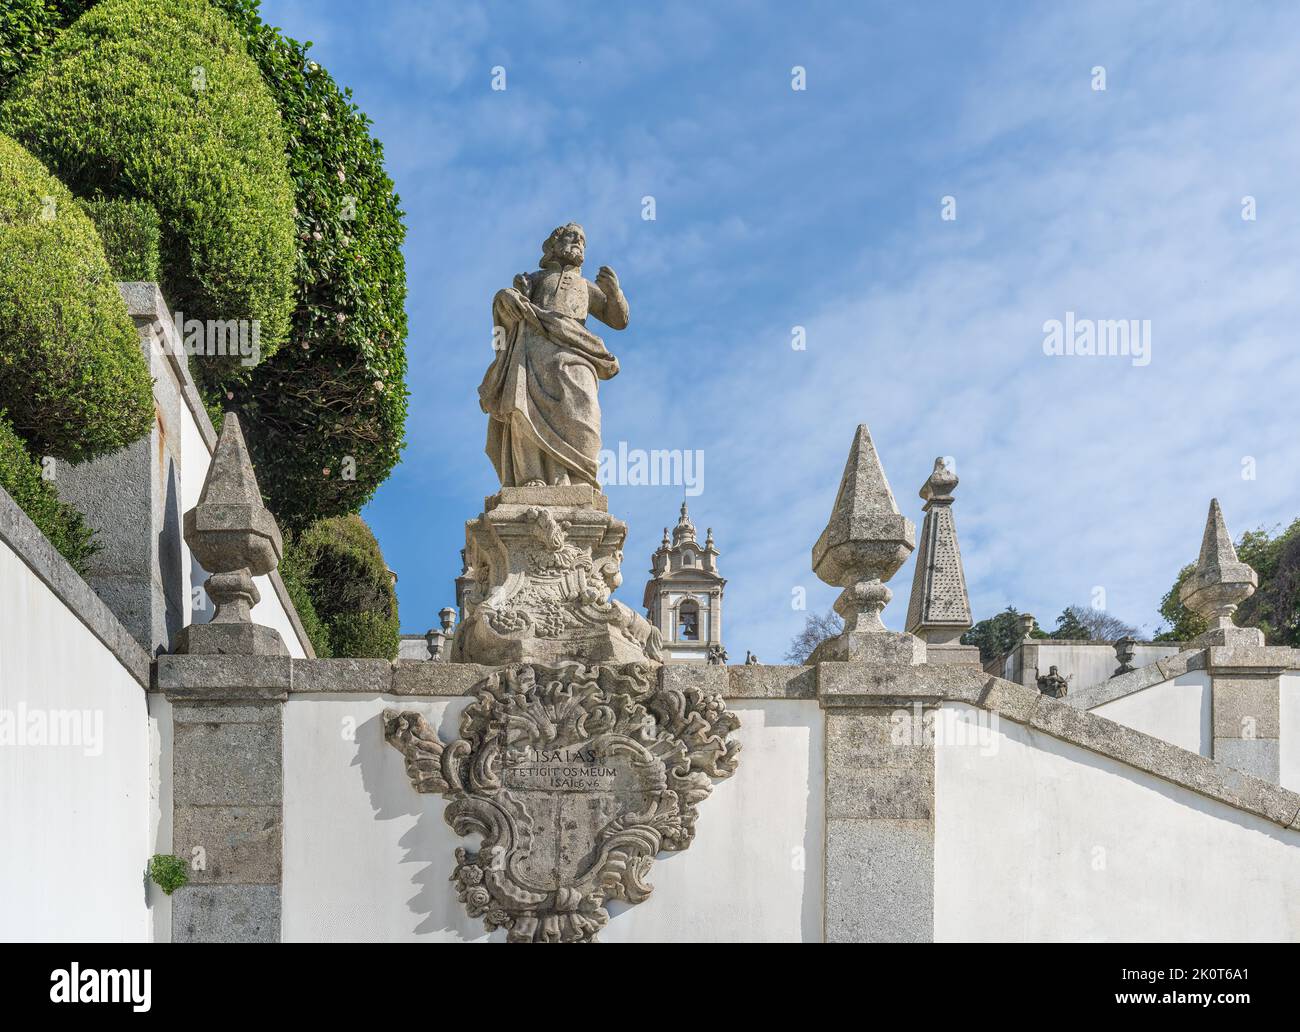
294,584
337,392
62,524
168,872
130,231
27,28
339,563
365,634
72,375
158,100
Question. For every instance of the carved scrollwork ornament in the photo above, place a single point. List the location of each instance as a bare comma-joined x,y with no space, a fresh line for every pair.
575,777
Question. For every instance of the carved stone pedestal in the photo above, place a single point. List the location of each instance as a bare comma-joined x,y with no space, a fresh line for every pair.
541,563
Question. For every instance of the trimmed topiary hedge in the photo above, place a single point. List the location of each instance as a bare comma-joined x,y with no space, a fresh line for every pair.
20,476
326,416
296,586
338,562
27,28
159,100
72,375
130,231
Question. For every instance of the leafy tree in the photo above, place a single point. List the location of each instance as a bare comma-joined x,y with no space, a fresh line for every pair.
1069,627
326,415
816,629
1275,606
27,28
999,634
1084,623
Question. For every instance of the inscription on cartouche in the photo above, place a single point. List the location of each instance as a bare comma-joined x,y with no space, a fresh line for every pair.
561,770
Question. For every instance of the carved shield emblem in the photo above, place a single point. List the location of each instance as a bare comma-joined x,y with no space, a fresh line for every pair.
575,777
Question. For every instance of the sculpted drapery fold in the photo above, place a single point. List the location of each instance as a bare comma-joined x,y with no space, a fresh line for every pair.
540,390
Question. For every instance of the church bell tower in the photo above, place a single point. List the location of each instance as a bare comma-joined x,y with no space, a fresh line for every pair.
683,598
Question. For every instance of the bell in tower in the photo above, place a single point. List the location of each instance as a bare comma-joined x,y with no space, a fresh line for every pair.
683,597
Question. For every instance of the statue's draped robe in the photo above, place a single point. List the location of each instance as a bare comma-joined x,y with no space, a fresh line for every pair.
540,391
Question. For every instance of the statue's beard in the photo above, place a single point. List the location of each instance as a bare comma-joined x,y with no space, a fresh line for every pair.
571,256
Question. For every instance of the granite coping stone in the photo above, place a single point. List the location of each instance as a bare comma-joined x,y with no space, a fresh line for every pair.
884,684
421,677
369,676
183,676
744,680
854,685
1257,660
25,539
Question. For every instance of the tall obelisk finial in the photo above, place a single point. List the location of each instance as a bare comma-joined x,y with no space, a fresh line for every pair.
939,610
1219,584
865,542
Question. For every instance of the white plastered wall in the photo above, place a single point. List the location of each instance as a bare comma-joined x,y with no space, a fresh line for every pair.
368,858
1177,711
1037,839
75,838
1289,730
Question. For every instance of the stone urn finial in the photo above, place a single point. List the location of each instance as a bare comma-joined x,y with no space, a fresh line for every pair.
1027,625
1219,584
1125,650
938,488
447,617
235,538
865,542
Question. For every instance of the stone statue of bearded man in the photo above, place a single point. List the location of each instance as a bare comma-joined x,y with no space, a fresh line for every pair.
540,391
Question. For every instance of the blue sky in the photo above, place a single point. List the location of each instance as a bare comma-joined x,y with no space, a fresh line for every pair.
821,208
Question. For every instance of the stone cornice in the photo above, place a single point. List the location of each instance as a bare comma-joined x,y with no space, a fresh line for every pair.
1259,660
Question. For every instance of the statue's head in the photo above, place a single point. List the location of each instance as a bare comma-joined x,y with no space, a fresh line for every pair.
567,245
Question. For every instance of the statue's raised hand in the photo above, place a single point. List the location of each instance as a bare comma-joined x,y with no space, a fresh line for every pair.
607,280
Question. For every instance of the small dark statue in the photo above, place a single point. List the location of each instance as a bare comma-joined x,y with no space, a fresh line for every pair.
1052,684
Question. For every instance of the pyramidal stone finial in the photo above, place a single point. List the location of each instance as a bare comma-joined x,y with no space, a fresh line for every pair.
865,541
235,538
1219,584
939,610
